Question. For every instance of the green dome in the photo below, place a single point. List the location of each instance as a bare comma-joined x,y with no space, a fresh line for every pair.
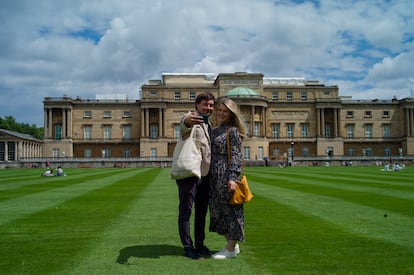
242,92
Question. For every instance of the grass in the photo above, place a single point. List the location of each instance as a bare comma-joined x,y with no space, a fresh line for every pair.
303,220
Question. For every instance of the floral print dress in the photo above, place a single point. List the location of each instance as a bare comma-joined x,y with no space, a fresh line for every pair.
225,219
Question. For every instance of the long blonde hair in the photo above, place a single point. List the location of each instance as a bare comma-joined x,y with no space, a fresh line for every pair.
236,119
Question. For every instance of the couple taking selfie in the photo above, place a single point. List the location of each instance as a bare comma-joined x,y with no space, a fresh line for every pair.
221,165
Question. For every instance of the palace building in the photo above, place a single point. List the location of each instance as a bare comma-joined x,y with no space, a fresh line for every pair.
286,118
15,146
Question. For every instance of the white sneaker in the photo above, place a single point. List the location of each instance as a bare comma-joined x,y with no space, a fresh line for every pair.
224,254
237,248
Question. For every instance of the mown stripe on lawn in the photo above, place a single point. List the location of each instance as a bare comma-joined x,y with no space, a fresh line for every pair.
145,240
385,202
141,238
31,203
283,240
31,180
354,217
384,179
401,180
344,184
46,241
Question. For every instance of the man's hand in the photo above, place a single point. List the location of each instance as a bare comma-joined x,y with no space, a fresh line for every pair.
193,118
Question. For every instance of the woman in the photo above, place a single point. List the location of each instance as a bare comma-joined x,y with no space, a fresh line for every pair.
226,219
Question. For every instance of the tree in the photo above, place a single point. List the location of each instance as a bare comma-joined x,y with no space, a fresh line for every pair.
9,123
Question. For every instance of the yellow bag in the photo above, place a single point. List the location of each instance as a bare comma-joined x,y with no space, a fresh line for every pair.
242,194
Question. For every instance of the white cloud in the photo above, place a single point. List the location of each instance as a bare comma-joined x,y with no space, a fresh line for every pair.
83,48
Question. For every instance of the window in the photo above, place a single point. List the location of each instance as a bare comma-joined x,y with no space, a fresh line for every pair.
107,114
11,150
247,129
106,153
107,132
349,114
153,93
350,131
55,152
87,153
276,152
305,130
58,131
387,152
127,153
368,130
177,131
153,152
2,151
126,114
386,129
276,130
326,93
246,151
192,95
327,130
305,151
303,95
154,130
275,95
257,129
291,152
290,130
368,151
351,151
385,114
368,114
126,132
87,132
289,96
177,95
260,153
87,114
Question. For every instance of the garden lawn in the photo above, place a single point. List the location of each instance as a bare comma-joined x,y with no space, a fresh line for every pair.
302,220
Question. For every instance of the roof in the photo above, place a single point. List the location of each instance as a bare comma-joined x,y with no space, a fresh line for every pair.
242,92
19,135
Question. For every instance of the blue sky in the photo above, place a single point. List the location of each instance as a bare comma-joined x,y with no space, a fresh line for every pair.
84,48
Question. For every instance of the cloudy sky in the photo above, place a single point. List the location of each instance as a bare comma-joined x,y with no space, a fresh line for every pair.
52,48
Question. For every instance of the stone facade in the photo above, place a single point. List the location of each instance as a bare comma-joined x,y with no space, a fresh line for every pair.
286,118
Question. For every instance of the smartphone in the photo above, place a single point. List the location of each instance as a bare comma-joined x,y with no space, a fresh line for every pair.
205,118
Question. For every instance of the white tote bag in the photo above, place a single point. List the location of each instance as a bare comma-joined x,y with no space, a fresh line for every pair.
186,157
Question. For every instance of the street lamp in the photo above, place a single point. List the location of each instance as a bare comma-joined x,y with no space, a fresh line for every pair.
291,152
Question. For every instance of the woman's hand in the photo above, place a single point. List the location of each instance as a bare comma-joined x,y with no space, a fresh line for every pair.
232,185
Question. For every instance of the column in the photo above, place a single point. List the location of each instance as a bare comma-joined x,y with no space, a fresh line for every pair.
318,122
335,122
64,132
251,126
407,122
264,121
160,130
147,122
45,120
410,122
50,126
323,122
6,150
142,122
16,151
69,122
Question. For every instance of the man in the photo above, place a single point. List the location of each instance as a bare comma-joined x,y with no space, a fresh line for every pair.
192,190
